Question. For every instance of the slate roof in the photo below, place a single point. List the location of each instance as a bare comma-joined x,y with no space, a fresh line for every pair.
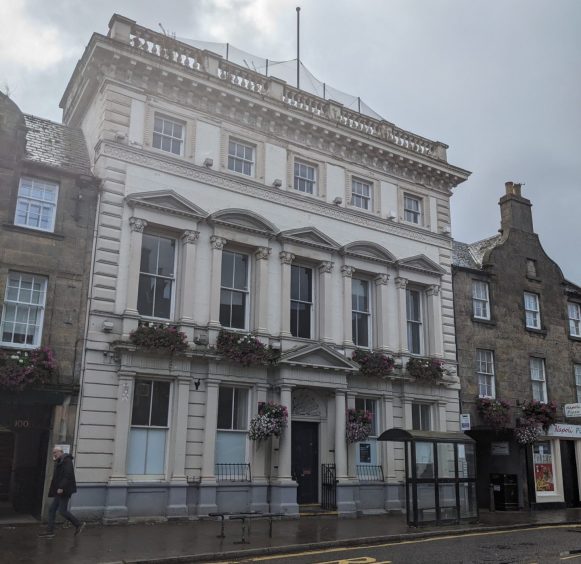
470,255
56,145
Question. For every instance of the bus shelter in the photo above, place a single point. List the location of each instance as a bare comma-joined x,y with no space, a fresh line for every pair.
440,476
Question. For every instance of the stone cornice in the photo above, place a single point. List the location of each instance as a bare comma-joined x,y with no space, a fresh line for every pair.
194,88
256,190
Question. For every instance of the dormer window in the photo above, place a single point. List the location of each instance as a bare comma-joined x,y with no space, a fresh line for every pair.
36,205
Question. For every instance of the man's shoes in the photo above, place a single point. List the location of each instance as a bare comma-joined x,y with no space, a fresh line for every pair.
80,528
46,535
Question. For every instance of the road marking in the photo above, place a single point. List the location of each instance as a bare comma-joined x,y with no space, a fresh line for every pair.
401,543
571,557
359,560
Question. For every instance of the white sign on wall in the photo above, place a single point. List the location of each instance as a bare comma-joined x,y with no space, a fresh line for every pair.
465,422
572,410
564,430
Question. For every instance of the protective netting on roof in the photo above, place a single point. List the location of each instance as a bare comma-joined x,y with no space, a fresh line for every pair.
284,70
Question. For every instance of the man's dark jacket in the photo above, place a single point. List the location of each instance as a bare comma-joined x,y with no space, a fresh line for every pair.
63,477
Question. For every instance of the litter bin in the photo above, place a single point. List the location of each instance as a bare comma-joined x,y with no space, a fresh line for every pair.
505,488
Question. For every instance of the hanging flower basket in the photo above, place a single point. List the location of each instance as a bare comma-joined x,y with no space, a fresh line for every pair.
373,364
159,337
429,370
25,369
495,412
543,414
527,431
357,426
244,349
271,420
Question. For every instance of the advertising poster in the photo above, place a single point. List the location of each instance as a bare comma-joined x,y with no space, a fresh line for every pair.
543,468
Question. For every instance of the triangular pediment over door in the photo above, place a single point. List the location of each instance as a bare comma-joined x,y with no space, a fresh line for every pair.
318,356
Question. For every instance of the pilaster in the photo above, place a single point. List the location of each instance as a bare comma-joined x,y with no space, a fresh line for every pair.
286,260
401,286
347,274
217,244
261,313
326,319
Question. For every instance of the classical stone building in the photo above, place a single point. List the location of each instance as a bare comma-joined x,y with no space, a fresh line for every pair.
232,200
518,328
48,199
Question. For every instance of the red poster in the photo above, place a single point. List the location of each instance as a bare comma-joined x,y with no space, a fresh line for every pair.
544,478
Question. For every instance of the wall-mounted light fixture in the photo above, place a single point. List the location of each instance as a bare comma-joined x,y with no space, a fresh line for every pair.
338,200
277,182
208,162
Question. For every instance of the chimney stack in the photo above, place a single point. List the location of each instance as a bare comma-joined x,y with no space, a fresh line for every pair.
515,211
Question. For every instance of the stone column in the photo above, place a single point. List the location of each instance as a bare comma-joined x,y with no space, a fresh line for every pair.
326,293
407,413
392,315
347,273
177,502
116,502
261,311
286,260
137,226
217,244
285,445
260,460
207,500
401,285
340,442
188,266
436,335
382,313
388,450
351,447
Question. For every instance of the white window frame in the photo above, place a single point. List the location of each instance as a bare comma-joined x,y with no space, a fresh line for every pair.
231,429
172,277
40,201
480,300
245,291
301,183
419,322
532,310
374,412
235,159
163,135
358,198
166,427
577,373
574,314
424,408
410,213
368,314
14,284
311,303
372,439
485,373
539,377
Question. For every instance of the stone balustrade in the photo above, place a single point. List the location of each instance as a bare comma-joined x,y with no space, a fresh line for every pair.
168,48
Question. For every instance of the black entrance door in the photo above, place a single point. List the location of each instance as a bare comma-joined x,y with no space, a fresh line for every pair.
570,480
305,460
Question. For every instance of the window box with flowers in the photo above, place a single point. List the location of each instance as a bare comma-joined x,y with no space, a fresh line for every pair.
494,412
429,370
25,369
536,416
244,349
373,364
159,336
358,425
271,420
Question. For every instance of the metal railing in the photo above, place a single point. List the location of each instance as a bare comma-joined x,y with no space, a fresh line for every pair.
369,473
238,472
329,489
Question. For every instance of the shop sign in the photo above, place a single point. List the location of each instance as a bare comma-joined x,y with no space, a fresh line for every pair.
465,422
565,431
572,410
500,448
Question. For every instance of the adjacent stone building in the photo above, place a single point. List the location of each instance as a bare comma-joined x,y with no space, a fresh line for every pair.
48,199
232,200
518,328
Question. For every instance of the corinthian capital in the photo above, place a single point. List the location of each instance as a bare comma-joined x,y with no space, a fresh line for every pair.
262,253
433,290
137,224
381,279
326,267
217,242
401,283
347,271
286,257
190,237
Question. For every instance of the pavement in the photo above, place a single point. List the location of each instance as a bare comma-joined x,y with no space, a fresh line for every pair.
197,541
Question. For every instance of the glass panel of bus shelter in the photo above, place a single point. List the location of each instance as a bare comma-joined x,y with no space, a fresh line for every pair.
424,461
426,502
468,507
446,462
448,508
466,461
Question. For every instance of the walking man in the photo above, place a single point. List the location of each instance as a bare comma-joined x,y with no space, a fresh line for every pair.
62,487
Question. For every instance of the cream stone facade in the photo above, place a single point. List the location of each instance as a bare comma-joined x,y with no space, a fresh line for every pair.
233,200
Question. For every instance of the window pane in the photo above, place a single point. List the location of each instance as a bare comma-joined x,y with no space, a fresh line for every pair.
165,263
163,292
306,275
230,447
227,269
225,399
225,308
240,271
304,321
141,402
424,460
155,453
145,295
160,404
149,248
240,408
361,329
295,285
136,451
238,319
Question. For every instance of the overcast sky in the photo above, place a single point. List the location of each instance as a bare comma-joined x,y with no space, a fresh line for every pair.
499,81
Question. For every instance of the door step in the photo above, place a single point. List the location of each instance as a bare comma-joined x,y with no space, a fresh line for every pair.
314,510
